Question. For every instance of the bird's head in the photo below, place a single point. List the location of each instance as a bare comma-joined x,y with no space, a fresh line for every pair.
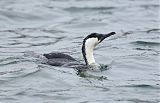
95,38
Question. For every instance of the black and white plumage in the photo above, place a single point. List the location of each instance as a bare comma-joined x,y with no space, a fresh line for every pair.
89,43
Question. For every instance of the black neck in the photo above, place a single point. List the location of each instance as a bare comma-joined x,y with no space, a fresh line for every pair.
84,52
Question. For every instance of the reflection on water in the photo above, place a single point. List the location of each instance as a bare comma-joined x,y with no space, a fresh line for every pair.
44,26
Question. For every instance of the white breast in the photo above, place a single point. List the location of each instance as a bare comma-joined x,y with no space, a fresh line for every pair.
90,44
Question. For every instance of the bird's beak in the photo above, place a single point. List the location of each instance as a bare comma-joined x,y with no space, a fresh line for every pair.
107,35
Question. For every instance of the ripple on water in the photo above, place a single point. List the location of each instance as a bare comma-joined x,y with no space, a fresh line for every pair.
146,43
88,9
14,67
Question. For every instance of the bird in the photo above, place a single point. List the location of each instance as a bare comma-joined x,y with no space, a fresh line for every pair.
88,45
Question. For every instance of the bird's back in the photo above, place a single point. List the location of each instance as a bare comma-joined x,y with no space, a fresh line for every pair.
58,59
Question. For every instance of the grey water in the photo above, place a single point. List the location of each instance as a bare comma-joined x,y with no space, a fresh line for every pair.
44,26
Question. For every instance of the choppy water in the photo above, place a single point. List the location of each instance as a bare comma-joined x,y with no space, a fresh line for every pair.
44,26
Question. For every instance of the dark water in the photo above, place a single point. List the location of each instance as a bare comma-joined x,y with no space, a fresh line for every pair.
44,26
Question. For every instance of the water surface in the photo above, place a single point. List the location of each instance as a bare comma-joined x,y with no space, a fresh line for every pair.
44,26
